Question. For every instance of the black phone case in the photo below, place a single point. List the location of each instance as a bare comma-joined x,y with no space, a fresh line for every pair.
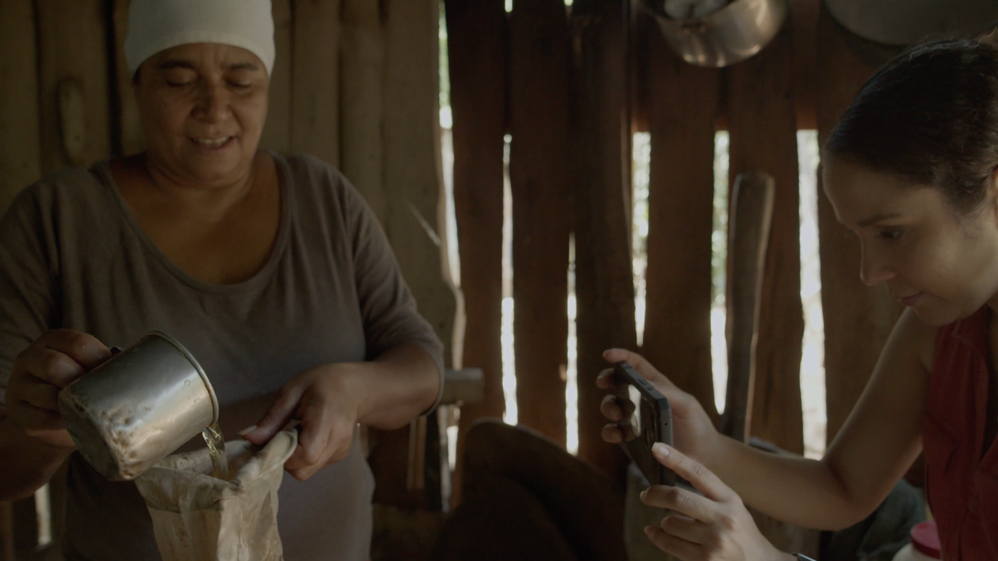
655,413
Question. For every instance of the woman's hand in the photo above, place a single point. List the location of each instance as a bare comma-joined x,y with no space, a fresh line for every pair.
693,431
325,400
52,362
715,526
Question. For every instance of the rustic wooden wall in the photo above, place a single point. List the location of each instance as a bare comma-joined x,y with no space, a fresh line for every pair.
621,72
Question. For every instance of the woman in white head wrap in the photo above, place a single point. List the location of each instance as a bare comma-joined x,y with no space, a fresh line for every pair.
270,269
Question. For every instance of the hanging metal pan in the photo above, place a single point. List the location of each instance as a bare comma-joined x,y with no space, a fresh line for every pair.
729,35
904,23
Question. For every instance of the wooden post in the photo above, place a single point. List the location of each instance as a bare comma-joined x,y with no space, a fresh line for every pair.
858,318
363,66
476,39
414,188
763,127
6,531
20,154
315,73
682,106
539,178
127,138
74,100
749,225
277,132
602,221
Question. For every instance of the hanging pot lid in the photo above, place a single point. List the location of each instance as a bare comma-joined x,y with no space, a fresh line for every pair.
909,22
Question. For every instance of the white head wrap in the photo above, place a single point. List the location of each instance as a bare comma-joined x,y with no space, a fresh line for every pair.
157,25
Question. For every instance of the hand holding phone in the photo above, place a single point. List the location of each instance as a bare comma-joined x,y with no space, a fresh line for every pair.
651,422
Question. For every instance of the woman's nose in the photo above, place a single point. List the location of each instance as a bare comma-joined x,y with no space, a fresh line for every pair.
213,104
873,268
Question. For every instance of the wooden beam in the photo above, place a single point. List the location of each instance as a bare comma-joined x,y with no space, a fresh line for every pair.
858,318
6,531
277,132
750,220
682,103
363,66
127,138
476,39
315,123
539,178
804,20
74,101
414,219
763,128
602,205
20,154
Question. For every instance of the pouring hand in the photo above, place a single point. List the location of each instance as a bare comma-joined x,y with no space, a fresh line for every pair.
52,362
322,398
693,431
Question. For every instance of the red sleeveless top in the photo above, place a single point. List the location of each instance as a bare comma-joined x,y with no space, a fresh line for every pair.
961,470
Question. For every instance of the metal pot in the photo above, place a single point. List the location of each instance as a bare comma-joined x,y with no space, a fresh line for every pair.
732,34
138,407
908,22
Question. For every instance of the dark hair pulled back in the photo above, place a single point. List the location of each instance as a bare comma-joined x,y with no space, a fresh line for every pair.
929,117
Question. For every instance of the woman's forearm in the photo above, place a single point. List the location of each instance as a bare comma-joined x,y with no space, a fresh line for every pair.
27,463
396,387
788,487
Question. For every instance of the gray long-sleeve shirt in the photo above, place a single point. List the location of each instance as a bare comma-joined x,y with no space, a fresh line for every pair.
73,256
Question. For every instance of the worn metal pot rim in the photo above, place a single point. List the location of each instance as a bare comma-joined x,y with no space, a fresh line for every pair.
871,21
197,366
692,23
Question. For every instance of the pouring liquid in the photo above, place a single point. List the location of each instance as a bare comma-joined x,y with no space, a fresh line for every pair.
216,450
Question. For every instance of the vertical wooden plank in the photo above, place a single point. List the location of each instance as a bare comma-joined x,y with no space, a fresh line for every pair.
602,221
363,60
25,525
414,188
763,128
682,105
129,139
20,155
74,100
315,123
539,178
476,46
750,219
6,531
858,318
277,132
804,19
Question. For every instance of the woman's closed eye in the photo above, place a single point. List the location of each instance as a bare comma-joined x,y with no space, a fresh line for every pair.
890,234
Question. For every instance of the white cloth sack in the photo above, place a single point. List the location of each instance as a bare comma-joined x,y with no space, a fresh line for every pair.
199,518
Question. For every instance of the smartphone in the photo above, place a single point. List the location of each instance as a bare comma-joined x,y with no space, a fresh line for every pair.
651,422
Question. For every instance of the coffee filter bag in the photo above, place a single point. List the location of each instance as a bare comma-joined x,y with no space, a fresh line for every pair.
197,517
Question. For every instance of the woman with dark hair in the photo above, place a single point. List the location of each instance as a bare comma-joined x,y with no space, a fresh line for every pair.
911,170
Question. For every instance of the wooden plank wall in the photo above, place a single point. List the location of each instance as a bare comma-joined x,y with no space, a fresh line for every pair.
803,78
539,176
763,130
601,134
681,102
477,38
